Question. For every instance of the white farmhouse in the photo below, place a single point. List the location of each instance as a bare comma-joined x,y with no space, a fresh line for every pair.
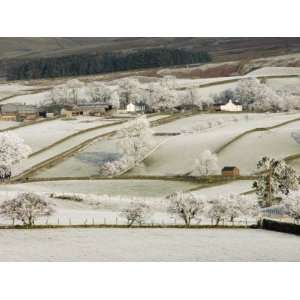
135,107
230,106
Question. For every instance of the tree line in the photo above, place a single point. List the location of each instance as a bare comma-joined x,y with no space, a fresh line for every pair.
88,64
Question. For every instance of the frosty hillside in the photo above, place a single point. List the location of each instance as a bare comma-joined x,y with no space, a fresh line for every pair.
127,150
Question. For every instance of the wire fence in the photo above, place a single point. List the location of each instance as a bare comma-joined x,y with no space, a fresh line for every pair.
118,221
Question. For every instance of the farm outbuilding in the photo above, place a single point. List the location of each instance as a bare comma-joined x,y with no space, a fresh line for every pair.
19,111
95,109
231,106
136,107
230,171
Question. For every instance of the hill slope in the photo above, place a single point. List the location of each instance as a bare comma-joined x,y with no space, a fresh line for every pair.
13,50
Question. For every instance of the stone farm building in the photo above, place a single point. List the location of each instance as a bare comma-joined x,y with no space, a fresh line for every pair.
19,112
94,109
230,171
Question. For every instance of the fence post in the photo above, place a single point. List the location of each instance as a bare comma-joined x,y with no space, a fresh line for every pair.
57,221
104,221
174,221
93,221
46,222
70,222
116,220
85,221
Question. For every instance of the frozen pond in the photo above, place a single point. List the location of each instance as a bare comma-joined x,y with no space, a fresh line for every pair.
148,245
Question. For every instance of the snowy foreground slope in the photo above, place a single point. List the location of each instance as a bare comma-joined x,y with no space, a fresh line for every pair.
148,245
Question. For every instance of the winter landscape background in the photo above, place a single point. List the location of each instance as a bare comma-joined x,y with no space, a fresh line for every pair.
117,149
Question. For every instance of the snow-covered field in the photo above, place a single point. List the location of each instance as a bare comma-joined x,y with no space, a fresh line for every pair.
275,71
88,161
277,143
238,187
142,188
66,145
39,136
102,201
9,89
7,124
148,245
283,83
177,156
30,99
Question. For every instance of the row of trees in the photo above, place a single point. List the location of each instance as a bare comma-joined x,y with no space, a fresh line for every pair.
28,207
190,208
87,64
257,96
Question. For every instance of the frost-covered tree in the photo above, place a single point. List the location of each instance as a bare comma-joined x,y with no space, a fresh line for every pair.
240,206
115,167
129,90
136,212
224,96
218,209
292,205
115,99
26,208
163,98
275,176
186,206
194,97
72,90
12,149
257,96
136,139
99,92
206,164
233,203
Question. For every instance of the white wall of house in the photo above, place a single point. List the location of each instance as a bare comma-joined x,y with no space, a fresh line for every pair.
131,107
230,106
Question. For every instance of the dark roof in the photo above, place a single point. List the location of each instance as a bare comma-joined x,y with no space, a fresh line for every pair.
187,106
227,168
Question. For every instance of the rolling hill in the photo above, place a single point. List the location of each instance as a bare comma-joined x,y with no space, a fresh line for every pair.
222,49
